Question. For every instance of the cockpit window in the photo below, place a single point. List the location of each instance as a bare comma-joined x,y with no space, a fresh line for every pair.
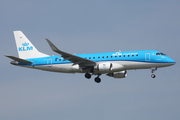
163,54
158,54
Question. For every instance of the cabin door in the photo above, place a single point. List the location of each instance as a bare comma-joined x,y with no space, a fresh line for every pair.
147,57
49,62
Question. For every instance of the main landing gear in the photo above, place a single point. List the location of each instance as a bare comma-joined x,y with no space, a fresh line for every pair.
97,79
153,70
88,75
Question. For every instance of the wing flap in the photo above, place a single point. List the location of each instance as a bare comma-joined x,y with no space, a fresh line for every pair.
73,58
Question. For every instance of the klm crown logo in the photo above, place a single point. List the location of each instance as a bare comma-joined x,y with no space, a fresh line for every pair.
25,44
25,47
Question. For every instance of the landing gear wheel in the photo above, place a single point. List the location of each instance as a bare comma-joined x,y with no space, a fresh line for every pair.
88,76
153,75
97,80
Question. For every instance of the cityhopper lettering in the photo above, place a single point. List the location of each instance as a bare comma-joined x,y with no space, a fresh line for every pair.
25,47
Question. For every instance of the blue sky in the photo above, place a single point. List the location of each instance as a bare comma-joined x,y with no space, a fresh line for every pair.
89,27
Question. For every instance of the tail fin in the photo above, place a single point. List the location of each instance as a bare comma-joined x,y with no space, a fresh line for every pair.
25,48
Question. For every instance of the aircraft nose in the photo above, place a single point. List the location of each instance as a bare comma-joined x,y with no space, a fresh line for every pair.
171,61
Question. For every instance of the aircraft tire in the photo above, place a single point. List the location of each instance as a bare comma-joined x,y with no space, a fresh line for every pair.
97,80
153,75
87,75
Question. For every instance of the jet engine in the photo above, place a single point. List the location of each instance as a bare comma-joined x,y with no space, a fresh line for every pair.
104,67
120,74
109,67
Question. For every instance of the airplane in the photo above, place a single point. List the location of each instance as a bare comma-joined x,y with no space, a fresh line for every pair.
113,64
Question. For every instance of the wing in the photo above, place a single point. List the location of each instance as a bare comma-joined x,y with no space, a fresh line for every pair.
73,58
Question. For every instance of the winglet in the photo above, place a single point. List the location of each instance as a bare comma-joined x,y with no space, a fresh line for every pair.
53,47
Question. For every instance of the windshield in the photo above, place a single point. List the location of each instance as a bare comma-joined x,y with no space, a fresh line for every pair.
163,54
160,54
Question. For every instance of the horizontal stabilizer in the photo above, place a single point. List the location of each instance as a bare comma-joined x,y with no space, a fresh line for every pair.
18,59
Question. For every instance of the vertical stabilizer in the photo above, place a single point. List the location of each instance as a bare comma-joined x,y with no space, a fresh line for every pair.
25,48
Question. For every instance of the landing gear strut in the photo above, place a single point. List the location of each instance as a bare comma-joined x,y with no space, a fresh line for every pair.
153,70
88,76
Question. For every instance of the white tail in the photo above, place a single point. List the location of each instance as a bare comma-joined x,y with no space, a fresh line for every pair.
25,48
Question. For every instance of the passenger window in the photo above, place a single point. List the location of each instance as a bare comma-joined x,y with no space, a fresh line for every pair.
124,56
120,56
98,57
89,57
111,56
132,55
93,57
107,57
115,56
128,55
137,55
59,59
102,56
56,59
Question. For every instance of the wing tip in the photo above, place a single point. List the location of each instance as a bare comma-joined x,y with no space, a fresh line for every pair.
53,47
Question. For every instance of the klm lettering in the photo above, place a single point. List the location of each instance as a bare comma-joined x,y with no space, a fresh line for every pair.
26,48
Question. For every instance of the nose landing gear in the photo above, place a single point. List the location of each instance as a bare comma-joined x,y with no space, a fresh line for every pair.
153,75
153,70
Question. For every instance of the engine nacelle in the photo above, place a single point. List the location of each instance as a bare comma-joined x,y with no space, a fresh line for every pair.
121,74
104,67
109,67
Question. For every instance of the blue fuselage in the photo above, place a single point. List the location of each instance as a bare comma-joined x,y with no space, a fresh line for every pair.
128,60
146,56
